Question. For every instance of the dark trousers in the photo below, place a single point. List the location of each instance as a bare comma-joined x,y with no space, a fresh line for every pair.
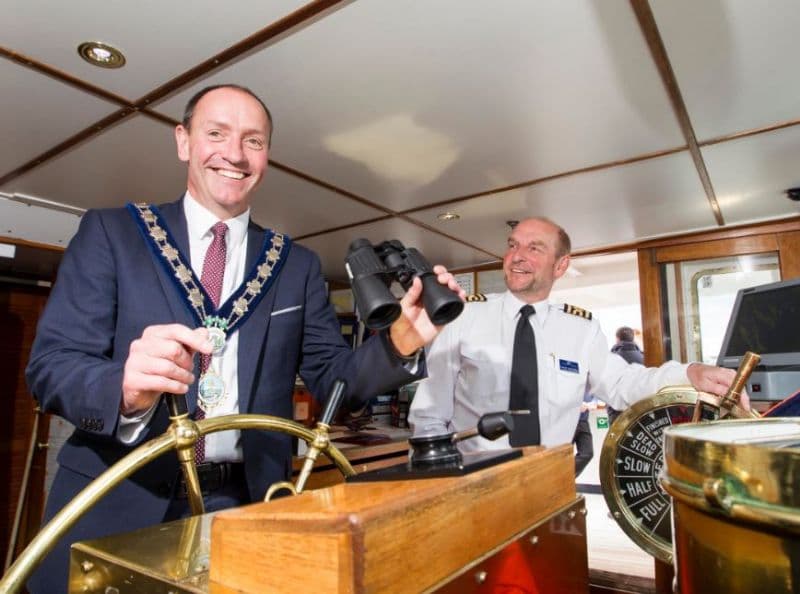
231,495
583,444
612,415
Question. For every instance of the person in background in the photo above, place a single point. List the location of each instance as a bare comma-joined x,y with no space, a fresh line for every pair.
192,297
626,348
518,351
584,446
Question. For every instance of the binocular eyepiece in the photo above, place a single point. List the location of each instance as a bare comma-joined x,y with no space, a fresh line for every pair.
372,269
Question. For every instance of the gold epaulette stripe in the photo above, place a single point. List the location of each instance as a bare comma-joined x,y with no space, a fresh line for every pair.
577,311
476,297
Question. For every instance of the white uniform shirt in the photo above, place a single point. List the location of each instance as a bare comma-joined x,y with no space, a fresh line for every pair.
469,370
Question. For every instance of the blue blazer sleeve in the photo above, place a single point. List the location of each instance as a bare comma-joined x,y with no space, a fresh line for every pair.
72,370
372,369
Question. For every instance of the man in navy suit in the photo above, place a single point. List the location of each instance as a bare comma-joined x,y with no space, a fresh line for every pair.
127,317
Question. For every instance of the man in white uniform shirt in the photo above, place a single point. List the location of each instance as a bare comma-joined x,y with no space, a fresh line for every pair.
469,363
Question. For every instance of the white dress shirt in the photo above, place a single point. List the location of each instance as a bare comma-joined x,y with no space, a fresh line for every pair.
469,370
223,446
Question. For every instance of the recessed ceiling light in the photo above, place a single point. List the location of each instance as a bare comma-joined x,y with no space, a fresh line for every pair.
101,54
448,216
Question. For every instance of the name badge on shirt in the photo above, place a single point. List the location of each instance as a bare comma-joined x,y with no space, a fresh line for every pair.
571,366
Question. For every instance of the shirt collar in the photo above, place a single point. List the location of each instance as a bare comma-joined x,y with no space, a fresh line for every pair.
512,305
199,221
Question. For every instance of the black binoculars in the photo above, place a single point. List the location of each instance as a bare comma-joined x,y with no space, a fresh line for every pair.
372,269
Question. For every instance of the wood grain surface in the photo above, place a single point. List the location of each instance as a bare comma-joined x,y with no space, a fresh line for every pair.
401,536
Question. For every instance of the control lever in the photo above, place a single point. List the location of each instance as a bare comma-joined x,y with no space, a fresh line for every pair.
491,426
186,435
728,405
437,450
321,440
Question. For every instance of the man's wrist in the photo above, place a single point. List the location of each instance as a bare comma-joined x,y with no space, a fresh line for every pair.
411,357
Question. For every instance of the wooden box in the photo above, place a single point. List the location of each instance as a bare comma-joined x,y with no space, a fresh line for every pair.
403,536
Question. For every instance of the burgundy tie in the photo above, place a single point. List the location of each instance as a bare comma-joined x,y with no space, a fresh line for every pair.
213,272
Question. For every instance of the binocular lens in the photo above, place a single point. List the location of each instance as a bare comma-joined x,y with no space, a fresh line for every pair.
442,305
446,313
382,316
378,307
371,272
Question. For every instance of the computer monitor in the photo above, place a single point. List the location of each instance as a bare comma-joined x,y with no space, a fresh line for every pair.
766,321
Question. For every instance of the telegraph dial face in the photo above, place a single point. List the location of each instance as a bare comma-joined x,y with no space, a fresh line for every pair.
631,463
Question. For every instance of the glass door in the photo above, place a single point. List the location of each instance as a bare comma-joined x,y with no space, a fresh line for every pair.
701,295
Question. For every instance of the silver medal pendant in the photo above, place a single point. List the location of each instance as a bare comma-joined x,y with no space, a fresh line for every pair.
210,391
217,337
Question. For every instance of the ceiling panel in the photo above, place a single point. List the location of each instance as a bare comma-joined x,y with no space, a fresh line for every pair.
289,204
115,168
39,112
751,174
40,225
159,39
734,61
602,208
406,102
332,247
135,160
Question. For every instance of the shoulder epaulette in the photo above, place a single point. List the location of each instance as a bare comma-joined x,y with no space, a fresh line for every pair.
577,311
476,297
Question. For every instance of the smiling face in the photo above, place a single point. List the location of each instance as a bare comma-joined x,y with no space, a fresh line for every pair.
227,149
533,261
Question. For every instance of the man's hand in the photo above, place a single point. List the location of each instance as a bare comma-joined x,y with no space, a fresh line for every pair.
414,329
160,361
715,380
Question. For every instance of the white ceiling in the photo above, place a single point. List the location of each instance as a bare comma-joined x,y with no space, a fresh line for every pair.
389,112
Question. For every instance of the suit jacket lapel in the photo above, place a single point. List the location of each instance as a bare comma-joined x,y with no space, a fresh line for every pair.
176,221
253,332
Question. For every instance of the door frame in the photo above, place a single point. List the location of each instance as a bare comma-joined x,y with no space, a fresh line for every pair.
782,237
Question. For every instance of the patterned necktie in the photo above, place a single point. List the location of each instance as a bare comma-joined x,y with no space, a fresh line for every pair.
211,279
524,389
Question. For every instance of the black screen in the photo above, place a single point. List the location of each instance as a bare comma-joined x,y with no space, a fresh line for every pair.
766,322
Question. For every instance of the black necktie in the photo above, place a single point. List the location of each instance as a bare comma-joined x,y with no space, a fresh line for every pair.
525,383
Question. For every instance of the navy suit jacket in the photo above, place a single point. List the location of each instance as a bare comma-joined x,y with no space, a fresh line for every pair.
109,289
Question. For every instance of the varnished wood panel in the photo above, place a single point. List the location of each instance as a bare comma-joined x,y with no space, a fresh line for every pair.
653,330
789,245
718,249
680,306
790,224
20,307
785,225
362,459
367,537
